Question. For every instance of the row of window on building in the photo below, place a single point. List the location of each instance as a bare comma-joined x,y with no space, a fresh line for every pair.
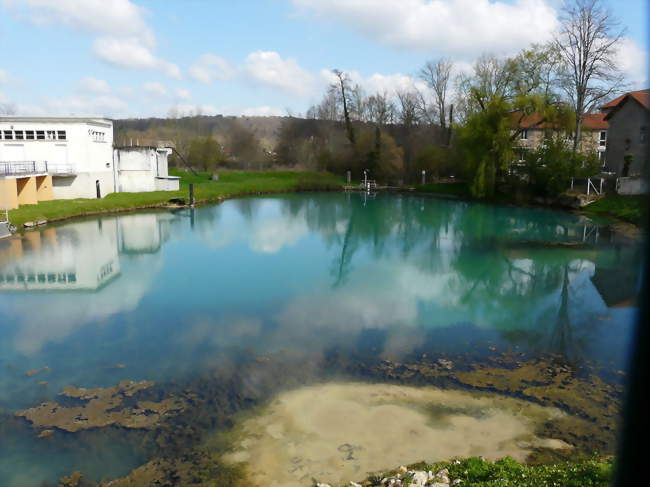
51,278
33,135
602,137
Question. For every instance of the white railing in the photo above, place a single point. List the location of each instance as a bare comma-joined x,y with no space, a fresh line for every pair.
19,168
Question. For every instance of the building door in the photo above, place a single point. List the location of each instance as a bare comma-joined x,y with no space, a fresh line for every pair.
97,188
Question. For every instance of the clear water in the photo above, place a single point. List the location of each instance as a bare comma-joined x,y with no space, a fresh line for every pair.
165,296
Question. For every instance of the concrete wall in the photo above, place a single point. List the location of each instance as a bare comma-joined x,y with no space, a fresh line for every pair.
631,186
170,183
8,194
27,194
624,137
44,188
82,185
139,169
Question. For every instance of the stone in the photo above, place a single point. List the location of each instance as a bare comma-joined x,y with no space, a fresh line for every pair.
439,484
215,177
402,469
419,479
45,433
456,482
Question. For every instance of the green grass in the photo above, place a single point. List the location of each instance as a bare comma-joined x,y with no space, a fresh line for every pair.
455,189
631,208
230,184
478,472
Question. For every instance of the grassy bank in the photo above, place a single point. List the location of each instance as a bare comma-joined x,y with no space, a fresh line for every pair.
230,184
478,472
630,208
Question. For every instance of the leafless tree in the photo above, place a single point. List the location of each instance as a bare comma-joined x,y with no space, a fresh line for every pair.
344,84
381,109
436,75
358,104
587,43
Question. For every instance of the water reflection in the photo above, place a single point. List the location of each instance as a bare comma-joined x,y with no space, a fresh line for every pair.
169,295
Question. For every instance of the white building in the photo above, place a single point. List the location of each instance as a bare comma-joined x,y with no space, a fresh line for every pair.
61,158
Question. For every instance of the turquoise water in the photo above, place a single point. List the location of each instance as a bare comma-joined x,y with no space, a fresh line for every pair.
167,296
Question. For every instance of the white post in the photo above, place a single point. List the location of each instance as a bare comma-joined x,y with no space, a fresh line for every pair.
601,186
588,181
424,176
571,183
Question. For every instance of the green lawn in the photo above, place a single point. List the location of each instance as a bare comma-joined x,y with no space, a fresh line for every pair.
230,184
631,208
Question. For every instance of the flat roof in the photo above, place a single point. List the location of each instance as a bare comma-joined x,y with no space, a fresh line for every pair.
90,120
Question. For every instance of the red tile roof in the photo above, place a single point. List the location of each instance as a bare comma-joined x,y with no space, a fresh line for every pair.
595,121
592,121
642,96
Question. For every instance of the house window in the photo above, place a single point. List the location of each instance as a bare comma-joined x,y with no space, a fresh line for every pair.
51,134
40,135
643,135
9,135
29,134
19,134
61,135
601,158
603,138
524,134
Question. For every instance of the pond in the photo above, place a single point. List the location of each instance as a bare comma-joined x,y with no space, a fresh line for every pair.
270,325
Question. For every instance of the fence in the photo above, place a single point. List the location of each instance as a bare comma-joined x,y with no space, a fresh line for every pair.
18,168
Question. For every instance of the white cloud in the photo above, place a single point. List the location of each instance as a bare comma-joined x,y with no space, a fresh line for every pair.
210,67
132,53
633,59
124,38
94,86
155,88
270,69
77,105
452,27
4,77
378,82
262,111
182,94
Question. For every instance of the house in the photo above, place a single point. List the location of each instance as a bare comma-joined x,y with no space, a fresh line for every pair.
627,146
42,159
533,130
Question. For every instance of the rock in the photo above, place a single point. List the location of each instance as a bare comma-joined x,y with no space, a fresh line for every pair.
45,433
439,484
442,476
354,484
456,482
322,485
402,469
419,479
215,177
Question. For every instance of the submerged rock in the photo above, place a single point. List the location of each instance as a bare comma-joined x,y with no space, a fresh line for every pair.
102,409
339,431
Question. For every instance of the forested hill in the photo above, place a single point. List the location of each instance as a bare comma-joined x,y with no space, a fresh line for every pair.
265,129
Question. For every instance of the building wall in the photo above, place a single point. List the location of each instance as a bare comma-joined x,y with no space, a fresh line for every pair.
26,187
535,138
624,137
44,188
8,194
140,169
85,151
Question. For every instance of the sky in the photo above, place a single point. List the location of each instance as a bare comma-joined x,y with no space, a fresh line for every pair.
142,58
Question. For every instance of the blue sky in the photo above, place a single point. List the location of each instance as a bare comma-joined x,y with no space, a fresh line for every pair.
123,58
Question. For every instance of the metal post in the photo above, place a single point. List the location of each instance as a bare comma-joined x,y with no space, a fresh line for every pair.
588,181
571,183
191,194
424,176
601,185
349,177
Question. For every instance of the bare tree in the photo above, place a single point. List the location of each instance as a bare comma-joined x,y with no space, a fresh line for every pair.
587,44
381,109
436,75
358,104
344,84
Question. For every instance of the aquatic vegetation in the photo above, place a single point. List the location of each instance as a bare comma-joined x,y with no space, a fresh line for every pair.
101,408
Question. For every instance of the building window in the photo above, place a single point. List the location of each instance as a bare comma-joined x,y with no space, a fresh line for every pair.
40,135
51,134
643,135
9,135
524,134
61,135
19,134
603,138
29,134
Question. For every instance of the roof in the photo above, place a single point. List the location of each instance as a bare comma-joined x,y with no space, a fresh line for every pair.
90,120
642,96
595,121
592,121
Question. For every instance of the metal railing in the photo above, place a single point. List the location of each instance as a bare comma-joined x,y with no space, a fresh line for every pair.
16,168
19,168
